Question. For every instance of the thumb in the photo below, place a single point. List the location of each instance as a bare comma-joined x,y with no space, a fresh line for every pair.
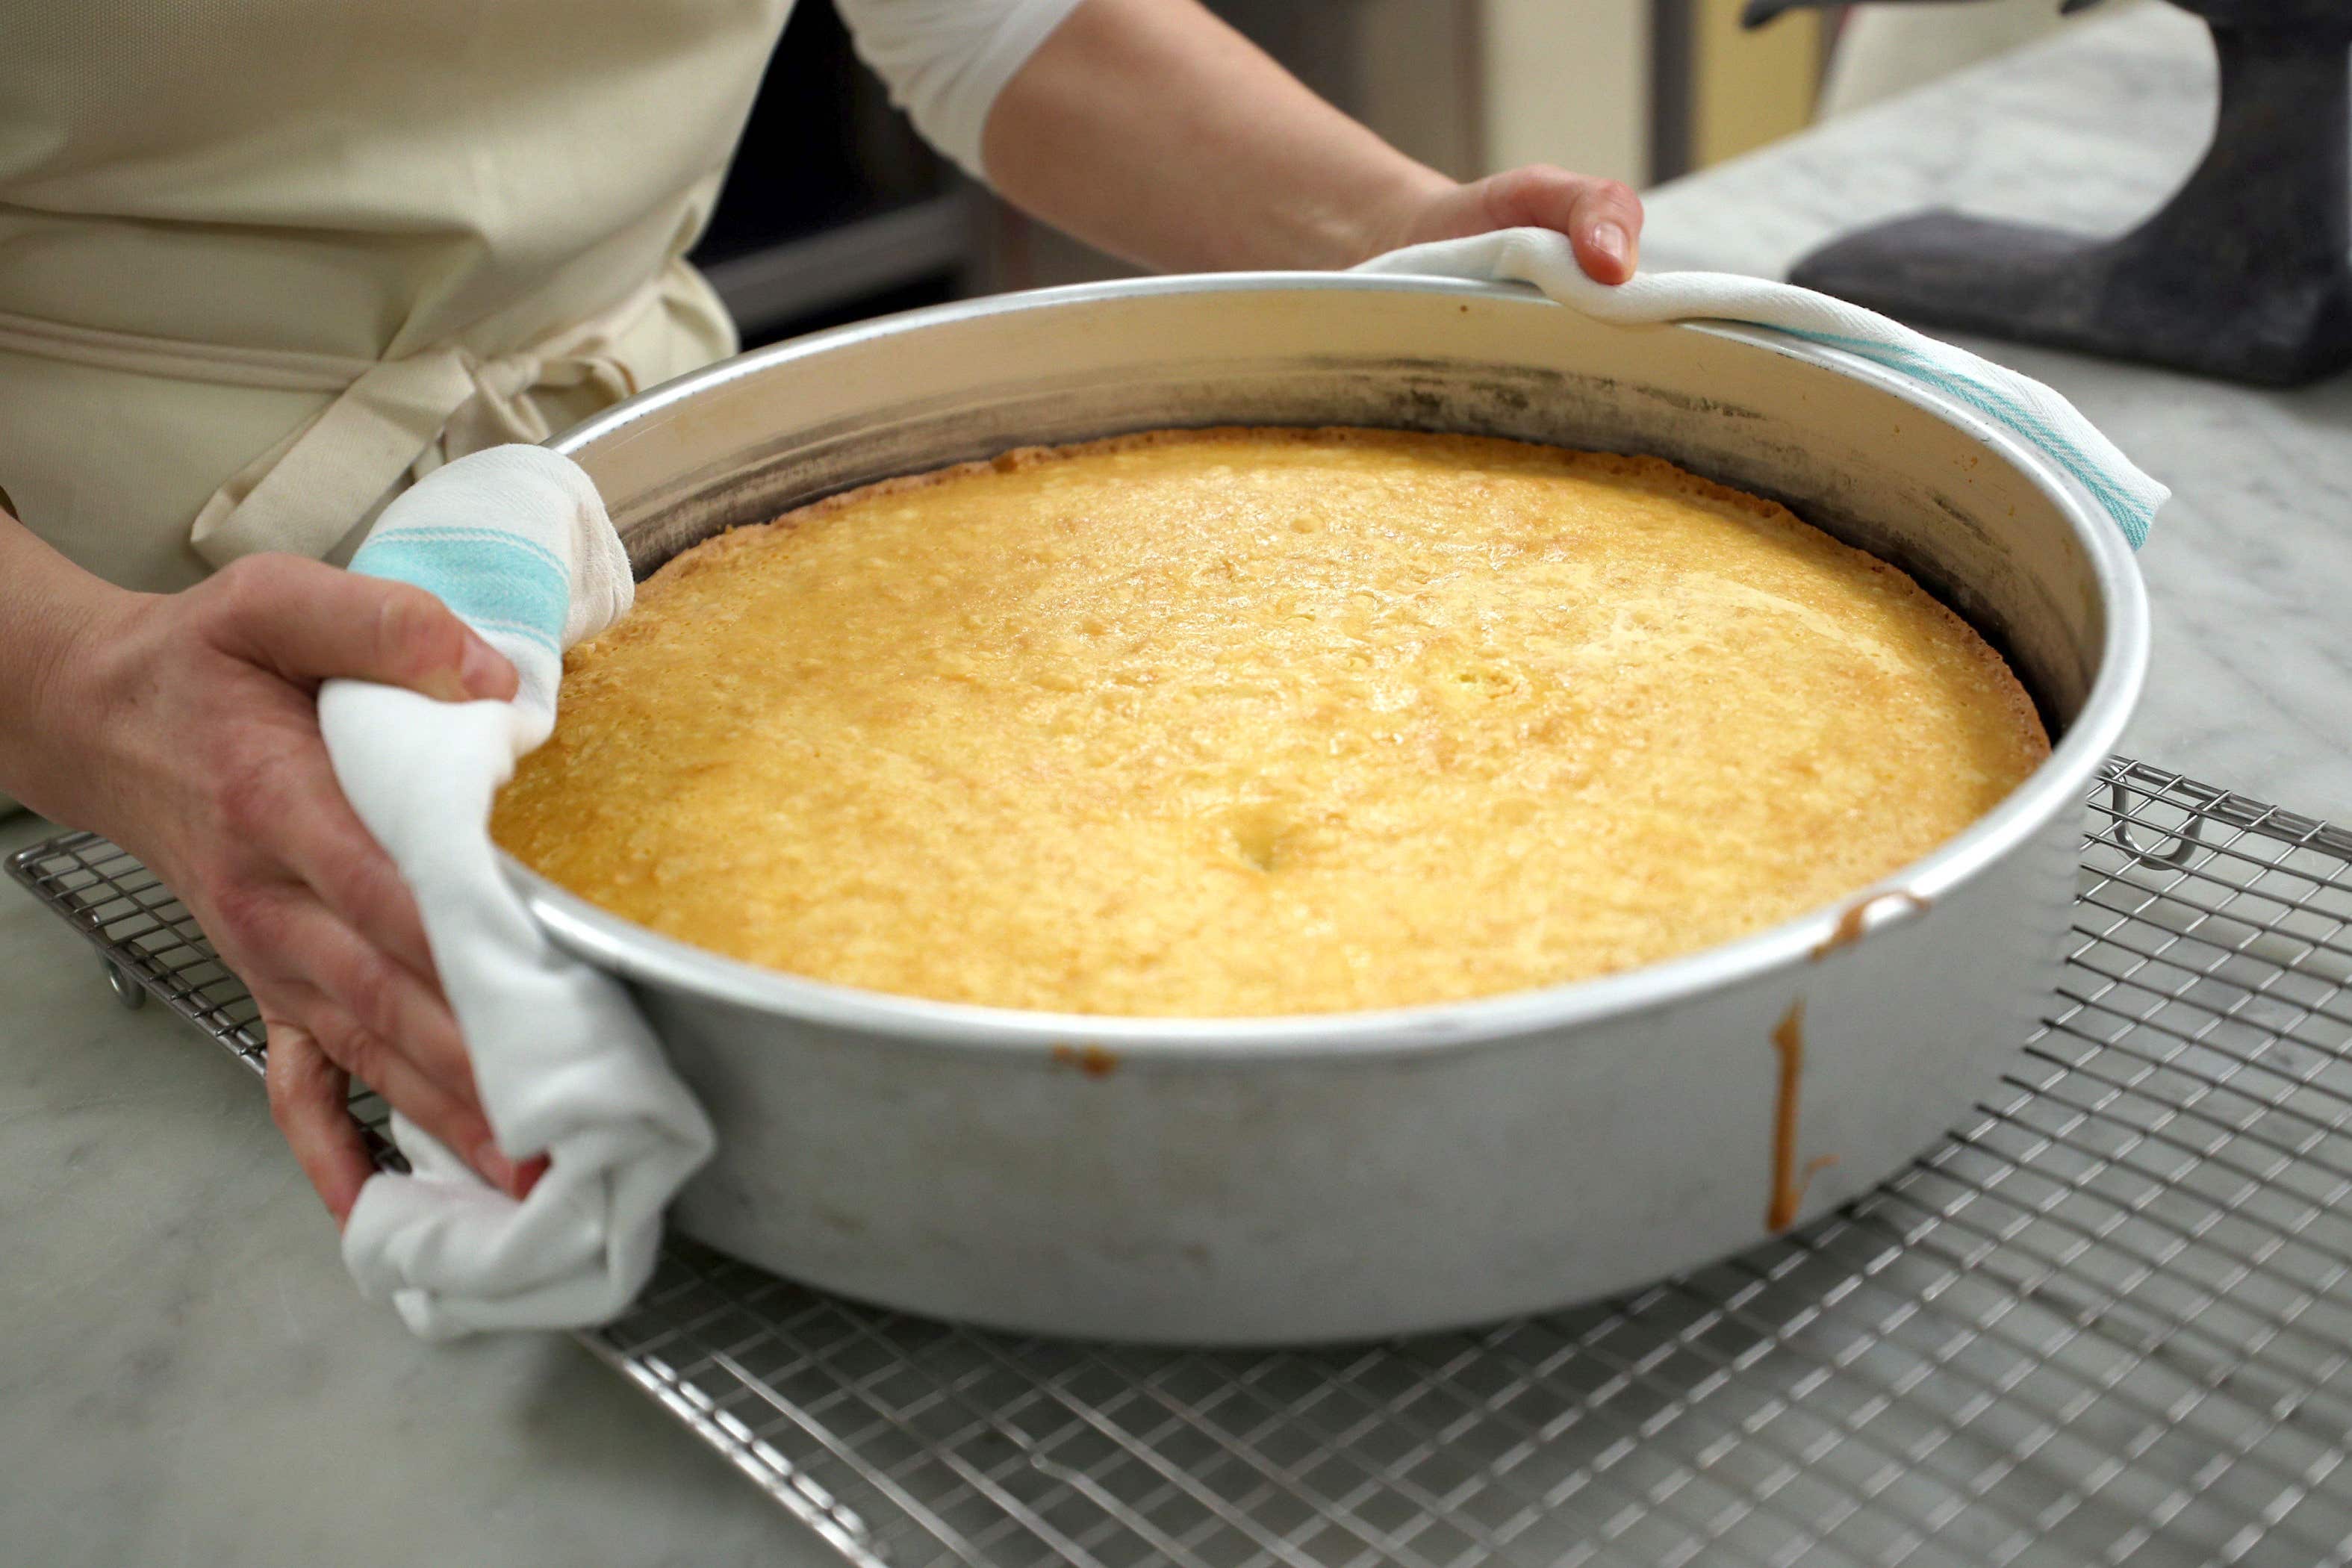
310,622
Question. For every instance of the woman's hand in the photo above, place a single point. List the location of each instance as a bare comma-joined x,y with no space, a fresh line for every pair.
185,727
1602,218
1155,130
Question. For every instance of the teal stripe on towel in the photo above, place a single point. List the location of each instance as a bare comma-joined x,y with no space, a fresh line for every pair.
2131,515
491,580
467,535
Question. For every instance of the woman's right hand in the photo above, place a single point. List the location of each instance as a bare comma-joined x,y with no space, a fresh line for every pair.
185,727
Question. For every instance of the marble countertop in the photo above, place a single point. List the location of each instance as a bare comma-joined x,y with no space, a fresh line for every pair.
186,1375
2249,566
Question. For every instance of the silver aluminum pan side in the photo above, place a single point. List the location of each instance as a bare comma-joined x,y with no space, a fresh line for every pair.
1336,1176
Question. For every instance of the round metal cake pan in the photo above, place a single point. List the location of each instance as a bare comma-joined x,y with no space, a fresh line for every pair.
1339,1176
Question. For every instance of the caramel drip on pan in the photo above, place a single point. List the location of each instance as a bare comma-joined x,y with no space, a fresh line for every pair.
1090,1059
1849,926
1788,1184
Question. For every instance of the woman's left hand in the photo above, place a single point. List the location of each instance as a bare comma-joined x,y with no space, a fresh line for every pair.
1152,129
1602,218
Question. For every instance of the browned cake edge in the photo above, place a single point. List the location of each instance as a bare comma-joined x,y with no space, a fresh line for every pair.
719,549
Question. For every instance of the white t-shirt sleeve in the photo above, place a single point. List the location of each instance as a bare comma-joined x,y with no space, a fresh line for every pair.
946,60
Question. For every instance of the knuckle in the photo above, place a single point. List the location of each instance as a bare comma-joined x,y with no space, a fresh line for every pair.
289,1110
416,631
288,1071
221,599
235,580
1499,199
244,918
1538,182
277,1077
251,584
362,881
352,1048
1617,194
249,794
373,997
440,1047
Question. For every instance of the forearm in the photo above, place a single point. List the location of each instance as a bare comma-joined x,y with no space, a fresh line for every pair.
47,607
1152,130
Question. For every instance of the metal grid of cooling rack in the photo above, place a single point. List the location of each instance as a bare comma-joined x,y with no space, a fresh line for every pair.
2108,1321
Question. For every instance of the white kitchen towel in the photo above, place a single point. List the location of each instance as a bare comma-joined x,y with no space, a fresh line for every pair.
515,540
2019,403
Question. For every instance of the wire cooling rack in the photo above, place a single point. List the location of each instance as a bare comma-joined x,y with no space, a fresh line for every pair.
2108,1320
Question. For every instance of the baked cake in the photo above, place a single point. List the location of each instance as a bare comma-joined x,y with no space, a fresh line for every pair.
1252,721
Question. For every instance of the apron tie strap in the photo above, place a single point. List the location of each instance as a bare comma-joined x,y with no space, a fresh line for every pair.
308,491
389,419
405,417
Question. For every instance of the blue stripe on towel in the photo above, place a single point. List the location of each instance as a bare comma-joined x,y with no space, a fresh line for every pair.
497,535
493,580
2131,515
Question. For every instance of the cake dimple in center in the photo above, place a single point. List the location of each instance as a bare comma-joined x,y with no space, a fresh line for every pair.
1258,834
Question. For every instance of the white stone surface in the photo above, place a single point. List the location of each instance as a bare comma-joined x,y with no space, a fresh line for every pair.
2250,568
185,1374
187,1377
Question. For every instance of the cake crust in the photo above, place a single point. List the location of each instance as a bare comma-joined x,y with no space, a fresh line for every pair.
1245,721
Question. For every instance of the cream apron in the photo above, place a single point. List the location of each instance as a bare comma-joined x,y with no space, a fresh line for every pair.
263,262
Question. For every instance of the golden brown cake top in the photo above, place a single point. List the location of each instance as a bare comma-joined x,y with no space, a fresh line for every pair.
1262,722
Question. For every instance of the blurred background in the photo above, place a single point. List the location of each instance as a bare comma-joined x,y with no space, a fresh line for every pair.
834,210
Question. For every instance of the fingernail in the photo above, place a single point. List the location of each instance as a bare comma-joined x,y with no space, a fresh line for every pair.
1612,241
486,671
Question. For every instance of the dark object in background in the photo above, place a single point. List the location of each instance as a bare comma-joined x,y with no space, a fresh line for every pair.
834,209
2243,275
